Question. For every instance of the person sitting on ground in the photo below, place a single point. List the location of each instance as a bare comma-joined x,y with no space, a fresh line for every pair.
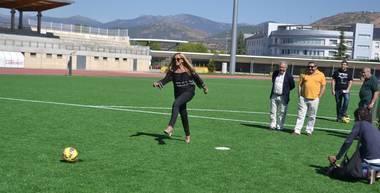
368,151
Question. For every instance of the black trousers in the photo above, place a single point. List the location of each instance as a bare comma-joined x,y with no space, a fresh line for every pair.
179,106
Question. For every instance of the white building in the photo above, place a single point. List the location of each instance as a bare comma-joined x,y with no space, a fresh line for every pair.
257,44
289,40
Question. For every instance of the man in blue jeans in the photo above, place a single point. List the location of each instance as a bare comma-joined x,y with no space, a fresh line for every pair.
340,87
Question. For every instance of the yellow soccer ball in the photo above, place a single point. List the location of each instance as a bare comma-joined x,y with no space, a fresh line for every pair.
70,154
346,119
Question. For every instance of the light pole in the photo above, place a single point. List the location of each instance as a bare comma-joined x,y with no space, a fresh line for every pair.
234,34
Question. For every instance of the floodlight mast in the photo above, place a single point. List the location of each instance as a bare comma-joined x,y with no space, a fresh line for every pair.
234,35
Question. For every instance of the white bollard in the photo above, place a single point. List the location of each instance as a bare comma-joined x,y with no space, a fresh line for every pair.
224,67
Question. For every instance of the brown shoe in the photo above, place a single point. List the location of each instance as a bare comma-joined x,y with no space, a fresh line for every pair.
187,139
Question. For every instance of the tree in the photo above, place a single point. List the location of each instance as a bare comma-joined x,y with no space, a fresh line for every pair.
154,46
342,48
241,44
192,47
211,65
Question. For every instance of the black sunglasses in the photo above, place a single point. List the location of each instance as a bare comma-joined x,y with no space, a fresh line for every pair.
178,59
311,66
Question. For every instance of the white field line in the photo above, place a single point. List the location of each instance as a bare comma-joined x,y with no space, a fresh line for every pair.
157,113
210,110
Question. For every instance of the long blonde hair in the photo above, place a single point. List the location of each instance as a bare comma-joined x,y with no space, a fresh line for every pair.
186,63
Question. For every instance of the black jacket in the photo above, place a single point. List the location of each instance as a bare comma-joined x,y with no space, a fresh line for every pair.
287,86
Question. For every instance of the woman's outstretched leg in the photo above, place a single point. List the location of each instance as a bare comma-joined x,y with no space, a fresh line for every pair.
179,101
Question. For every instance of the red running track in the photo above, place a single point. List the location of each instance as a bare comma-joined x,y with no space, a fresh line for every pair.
113,74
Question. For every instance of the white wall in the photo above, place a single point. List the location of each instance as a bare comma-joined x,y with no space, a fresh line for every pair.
11,59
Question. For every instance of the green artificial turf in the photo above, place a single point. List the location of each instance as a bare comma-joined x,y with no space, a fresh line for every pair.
123,149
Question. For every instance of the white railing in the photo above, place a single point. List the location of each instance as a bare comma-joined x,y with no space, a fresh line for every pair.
79,29
5,25
51,43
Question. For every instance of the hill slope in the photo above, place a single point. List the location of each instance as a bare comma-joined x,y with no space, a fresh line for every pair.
350,18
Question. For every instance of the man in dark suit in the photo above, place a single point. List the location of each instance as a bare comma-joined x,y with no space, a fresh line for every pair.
282,84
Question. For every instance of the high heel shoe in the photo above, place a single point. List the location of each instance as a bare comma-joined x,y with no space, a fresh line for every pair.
187,139
168,131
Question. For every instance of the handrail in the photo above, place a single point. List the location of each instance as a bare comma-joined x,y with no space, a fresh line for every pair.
52,43
79,29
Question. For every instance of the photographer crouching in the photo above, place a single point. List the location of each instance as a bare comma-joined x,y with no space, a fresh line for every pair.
365,162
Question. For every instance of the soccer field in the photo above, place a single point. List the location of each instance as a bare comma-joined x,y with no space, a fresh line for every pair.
116,124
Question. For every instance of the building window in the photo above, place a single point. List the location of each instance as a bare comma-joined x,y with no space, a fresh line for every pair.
96,57
33,54
117,59
365,35
48,55
363,46
105,58
59,56
377,45
125,59
333,42
332,53
376,56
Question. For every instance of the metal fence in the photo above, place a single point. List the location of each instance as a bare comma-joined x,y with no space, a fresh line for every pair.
79,29
33,43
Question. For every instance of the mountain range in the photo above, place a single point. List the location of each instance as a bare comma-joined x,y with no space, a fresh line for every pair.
182,26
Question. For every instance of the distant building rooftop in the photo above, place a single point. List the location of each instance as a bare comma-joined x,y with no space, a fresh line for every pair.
294,27
158,40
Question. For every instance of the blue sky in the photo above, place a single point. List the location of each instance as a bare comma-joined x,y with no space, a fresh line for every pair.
250,11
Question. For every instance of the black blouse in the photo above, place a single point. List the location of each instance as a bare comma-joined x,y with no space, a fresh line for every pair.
183,81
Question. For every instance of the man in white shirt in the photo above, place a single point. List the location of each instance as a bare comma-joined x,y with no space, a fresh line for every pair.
282,84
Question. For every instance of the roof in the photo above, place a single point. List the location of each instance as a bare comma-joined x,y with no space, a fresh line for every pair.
33,5
257,35
157,40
